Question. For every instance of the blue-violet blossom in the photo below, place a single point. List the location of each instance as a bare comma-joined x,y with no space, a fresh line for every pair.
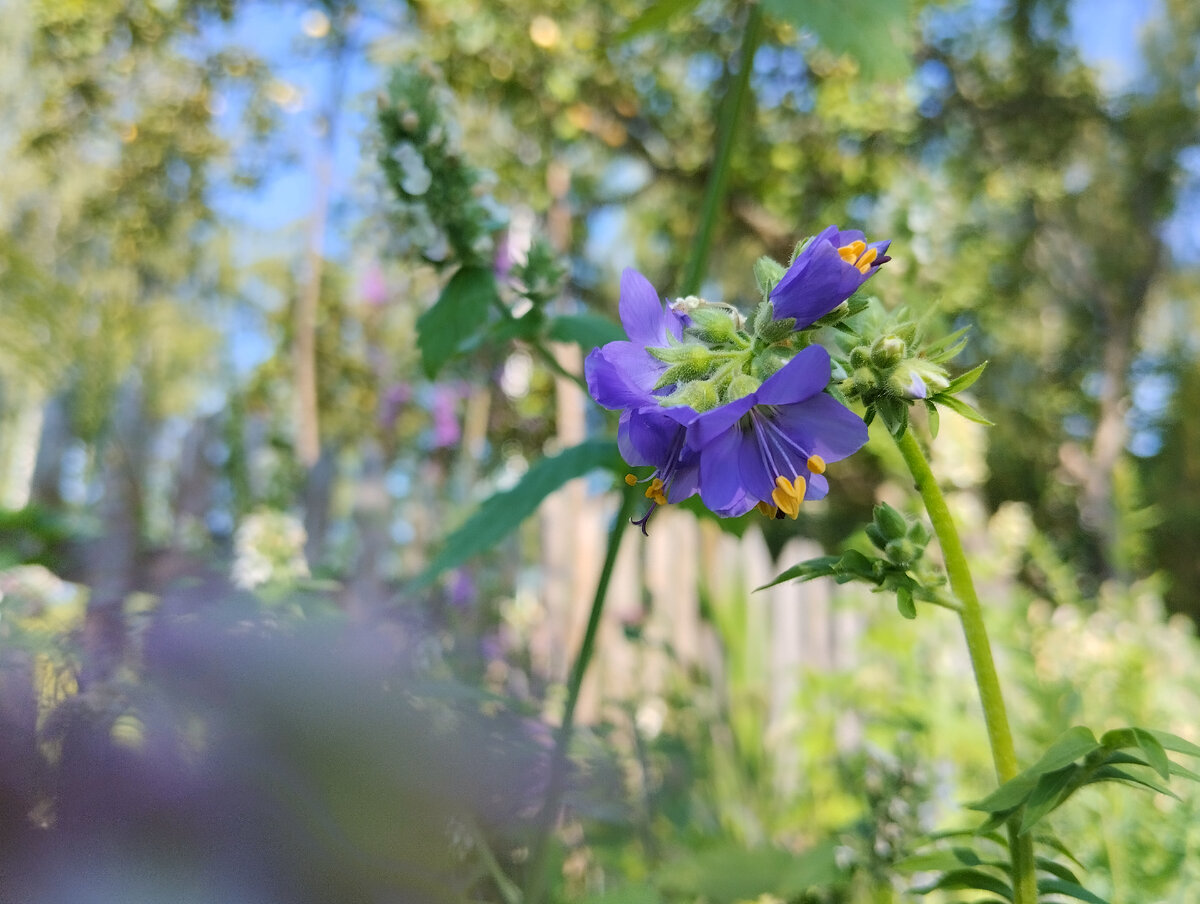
828,270
768,449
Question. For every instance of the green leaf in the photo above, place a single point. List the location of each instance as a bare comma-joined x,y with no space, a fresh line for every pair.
873,32
1175,743
1071,745
904,602
1156,757
947,347
963,381
935,419
1053,866
961,407
958,879
500,514
1051,790
806,571
586,330
455,317
656,16
1070,889
1113,774
1008,796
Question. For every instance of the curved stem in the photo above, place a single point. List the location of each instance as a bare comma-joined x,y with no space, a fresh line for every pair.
554,787
718,177
994,713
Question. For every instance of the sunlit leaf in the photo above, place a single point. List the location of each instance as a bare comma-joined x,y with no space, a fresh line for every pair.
1174,743
1051,790
959,879
1156,757
500,514
873,32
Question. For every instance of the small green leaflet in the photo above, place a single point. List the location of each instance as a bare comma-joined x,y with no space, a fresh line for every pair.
459,313
500,514
873,32
586,330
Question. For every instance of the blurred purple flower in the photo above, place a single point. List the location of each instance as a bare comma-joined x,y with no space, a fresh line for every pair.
395,397
444,409
373,288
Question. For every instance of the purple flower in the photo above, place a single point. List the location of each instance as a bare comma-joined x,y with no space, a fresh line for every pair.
654,436
825,273
623,374
769,449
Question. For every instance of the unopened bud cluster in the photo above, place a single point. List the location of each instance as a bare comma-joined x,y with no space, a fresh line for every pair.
889,368
901,541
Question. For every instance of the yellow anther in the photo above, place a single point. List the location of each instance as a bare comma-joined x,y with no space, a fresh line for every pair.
767,509
852,252
816,464
655,492
630,480
858,254
788,495
864,262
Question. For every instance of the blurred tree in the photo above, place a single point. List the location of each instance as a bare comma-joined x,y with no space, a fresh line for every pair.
111,143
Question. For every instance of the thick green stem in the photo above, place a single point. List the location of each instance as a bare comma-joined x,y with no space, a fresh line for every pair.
994,713
718,177
554,788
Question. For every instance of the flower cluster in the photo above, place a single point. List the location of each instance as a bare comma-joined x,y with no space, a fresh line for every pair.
443,206
736,409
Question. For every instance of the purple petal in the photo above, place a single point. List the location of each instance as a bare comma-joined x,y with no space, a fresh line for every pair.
621,375
645,320
818,487
720,475
823,426
801,378
811,290
708,426
685,483
756,474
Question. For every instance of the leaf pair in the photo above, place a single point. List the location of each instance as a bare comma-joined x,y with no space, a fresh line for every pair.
1077,759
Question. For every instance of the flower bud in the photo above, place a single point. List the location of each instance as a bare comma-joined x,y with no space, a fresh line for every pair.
893,525
902,552
740,387
699,395
712,325
768,273
888,351
860,357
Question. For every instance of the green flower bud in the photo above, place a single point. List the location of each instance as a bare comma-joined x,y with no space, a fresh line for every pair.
888,351
700,395
740,387
767,273
712,325
893,525
860,357
902,552
764,365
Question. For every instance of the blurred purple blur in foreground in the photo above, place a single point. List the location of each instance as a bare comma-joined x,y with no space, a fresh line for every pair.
253,765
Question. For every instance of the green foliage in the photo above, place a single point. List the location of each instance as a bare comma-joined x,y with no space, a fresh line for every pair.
502,513
459,314
872,32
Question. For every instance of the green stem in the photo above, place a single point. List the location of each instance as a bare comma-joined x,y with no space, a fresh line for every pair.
554,787
718,177
994,713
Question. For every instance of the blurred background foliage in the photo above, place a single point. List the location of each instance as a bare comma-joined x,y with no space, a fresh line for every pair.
212,398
